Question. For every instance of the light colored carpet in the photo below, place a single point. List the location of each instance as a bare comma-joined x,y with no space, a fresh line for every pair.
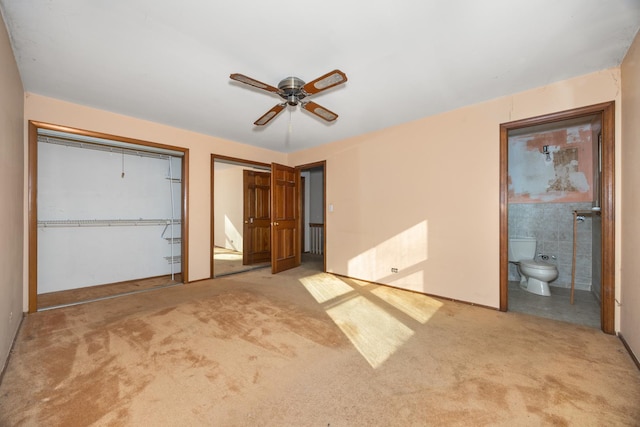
304,348
228,261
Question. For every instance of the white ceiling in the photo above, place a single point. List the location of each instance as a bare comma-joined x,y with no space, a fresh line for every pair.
169,61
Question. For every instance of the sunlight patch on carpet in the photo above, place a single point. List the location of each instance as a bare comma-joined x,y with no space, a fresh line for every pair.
325,287
419,307
374,332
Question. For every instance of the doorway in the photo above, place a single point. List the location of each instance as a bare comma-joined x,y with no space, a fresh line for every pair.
240,206
600,119
228,197
313,213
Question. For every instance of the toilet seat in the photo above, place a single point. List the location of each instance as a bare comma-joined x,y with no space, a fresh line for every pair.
540,265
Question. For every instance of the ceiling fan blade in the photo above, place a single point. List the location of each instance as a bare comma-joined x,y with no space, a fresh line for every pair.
253,82
327,81
319,111
269,115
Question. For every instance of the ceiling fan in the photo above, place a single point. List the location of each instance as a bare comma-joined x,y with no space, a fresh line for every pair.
293,90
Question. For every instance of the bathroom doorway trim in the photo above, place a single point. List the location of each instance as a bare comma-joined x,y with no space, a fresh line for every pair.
607,112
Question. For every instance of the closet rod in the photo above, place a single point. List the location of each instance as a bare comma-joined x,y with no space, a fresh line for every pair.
103,147
104,222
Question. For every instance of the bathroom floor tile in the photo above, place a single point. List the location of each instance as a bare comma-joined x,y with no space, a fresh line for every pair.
584,311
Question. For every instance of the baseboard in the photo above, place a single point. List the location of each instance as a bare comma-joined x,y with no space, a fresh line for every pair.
633,356
420,293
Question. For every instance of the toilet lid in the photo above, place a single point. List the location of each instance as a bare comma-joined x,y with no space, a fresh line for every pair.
541,265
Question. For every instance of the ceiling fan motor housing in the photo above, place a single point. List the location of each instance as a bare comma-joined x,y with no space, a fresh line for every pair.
291,90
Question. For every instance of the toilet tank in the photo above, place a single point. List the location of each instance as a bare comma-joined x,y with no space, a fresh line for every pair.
522,248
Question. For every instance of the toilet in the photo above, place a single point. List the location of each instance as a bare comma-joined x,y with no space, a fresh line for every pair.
534,275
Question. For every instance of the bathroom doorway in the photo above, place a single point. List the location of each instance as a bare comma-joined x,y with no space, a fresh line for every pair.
550,167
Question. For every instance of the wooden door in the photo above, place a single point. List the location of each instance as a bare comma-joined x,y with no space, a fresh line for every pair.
285,209
256,241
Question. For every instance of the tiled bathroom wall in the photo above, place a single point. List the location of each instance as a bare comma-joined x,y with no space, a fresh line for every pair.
552,226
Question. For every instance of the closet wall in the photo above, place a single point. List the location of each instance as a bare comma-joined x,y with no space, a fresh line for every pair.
105,216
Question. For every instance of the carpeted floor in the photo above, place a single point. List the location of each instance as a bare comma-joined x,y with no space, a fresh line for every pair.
228,261
304,348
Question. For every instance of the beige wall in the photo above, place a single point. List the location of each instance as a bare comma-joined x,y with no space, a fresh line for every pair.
423,197
11,190
630,161
49,110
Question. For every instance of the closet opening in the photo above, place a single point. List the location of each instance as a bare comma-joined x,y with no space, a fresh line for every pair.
107,216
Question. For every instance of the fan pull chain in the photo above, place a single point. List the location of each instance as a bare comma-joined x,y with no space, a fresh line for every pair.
287,137
122,175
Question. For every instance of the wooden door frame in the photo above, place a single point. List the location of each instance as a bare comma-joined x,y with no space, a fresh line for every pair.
303,211
226,159
323,165
607,112
33,197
